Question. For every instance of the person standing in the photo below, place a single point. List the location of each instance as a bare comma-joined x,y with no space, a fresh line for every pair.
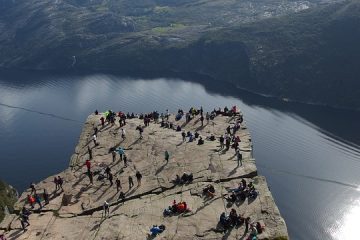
88,165
113,153
106,208
38,200
167,156
247,222
239,157
183,134
140,129
56,184
131,183
32,187
118,184
90,175
138,178
221,142
60,182
123,133
95,139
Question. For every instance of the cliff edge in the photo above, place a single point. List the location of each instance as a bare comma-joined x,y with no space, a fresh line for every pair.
76,211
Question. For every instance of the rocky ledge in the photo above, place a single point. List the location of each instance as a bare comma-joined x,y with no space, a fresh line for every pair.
76,212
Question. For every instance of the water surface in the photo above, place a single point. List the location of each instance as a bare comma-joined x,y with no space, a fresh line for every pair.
310,155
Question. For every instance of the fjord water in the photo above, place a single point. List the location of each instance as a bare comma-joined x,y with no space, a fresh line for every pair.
310,155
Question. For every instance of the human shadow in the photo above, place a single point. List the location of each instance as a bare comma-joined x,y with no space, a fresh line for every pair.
161,168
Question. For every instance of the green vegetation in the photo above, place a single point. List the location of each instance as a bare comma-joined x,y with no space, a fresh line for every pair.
7,198
309,56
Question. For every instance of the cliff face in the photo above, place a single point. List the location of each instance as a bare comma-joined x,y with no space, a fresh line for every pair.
8,197
77,211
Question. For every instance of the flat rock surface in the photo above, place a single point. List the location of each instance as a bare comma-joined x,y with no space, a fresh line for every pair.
82,217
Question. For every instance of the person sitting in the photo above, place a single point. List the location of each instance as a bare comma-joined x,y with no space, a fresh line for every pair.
178,128
200,141
224,220
177,180
212,137
260,228
191,137
233,217
209,191
196,134
230,198
186,178
155,230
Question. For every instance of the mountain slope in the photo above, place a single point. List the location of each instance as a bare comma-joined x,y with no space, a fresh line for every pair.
309,56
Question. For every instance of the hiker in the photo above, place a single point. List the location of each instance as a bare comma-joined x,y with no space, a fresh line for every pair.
88,165
228,129
46,196
167,156
32,187
24,219
107,171
131,183
31,200
221,142
227,143
113,153
102,120
56,183
138,177
118,184
123,133
94,139
90,152
207,116
200,141
140,129
239,157
60,182
202,120
38,200
183,134
96,112
232,198
96,131
106,208
121,152
111,179
247,222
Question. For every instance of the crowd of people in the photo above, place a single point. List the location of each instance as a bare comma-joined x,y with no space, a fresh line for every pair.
227,140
